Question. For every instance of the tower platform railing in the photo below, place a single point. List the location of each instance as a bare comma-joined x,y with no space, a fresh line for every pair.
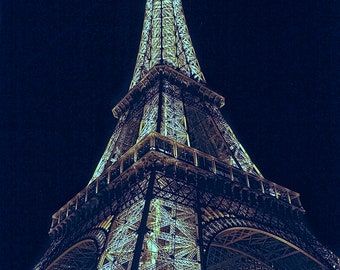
175,153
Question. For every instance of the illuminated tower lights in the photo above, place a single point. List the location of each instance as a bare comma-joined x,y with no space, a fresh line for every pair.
174,188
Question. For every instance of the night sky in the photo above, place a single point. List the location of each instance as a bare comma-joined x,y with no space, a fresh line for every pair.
65,64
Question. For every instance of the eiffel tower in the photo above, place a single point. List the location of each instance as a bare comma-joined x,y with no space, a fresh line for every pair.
174,188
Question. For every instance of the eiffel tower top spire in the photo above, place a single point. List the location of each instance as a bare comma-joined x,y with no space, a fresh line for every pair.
165,40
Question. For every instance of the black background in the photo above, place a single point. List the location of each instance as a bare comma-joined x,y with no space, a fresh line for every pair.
65,64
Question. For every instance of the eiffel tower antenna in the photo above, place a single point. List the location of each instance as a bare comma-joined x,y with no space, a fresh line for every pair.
174,188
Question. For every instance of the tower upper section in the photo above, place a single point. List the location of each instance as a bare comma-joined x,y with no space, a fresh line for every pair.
166,41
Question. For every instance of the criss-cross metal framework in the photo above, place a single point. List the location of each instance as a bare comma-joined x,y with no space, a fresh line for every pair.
174,188
80,256
238,247
166,41
170,242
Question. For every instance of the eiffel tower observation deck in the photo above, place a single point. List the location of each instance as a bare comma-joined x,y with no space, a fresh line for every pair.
174,188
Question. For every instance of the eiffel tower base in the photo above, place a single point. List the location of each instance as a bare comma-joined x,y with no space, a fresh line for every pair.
163,213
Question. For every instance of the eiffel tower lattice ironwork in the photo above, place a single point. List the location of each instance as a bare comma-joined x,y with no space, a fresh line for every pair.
174,188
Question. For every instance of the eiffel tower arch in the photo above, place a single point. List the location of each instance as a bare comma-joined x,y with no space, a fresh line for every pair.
174,188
